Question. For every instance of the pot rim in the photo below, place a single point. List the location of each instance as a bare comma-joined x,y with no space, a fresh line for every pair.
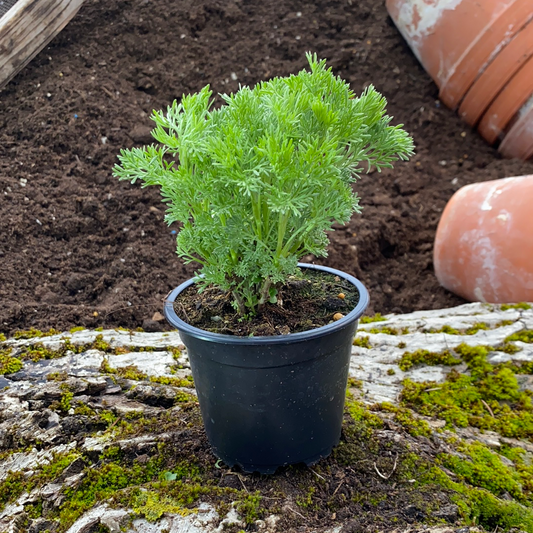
204,335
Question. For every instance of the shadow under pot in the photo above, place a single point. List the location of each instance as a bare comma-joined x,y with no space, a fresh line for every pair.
272,401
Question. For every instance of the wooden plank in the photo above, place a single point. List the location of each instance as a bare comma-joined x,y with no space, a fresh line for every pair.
27,28
6,5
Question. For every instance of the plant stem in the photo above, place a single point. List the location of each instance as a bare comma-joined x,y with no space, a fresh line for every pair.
240,304
256,209
282,228
265,291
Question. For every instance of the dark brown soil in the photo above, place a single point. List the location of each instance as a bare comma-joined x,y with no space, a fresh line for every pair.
309,299
79,248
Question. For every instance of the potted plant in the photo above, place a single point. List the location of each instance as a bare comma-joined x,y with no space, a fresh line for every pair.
256,184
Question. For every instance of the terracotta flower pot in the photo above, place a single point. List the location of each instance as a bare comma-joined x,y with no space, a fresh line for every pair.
507,104
456,39
494,78
484,246
518,141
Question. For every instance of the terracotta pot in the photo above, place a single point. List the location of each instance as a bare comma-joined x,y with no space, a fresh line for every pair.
455,39
507,104
494,78
518,141
484,246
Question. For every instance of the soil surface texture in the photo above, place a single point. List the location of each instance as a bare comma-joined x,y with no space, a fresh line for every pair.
308,300
78,248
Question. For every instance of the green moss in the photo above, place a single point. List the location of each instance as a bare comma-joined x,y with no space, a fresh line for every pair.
2,337
175,351
404,417
77,328
249,508
37,352
107,417
100,344
503,323
402,345
59,462
447,329
363,342
354,383
131,372
16,483
8,363
64,403
360,413
391,372
34,333
480,467
386,330
472,330
306,501
34,510
98,484
152,506
479,506
183,471
175,382
425,357
12,487
126,372
526,335
57,376
184,397
520,305
488,398
508,347
83,409
369,319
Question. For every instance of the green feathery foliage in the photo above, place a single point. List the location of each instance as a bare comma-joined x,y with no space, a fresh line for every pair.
258,182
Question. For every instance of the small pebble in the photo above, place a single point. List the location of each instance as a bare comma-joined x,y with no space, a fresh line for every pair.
342,295
95,314
338,316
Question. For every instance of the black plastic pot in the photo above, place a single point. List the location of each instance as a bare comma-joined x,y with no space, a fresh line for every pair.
276,400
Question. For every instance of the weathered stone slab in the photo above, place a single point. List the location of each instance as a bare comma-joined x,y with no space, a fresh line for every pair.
35,410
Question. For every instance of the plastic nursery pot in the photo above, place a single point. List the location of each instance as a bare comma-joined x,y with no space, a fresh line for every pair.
274,400
498,72
483,246
456,39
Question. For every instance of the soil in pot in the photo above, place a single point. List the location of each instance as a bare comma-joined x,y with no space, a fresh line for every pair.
309,299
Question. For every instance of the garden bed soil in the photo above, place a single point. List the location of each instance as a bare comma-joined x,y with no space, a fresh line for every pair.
79,248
